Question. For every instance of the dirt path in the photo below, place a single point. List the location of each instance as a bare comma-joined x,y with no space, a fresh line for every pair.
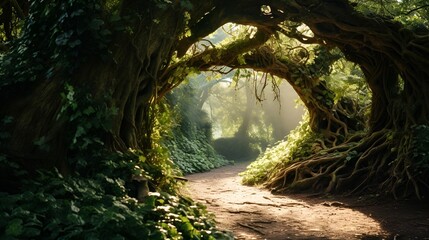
253,213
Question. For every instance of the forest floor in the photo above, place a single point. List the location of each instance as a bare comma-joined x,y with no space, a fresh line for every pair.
255,213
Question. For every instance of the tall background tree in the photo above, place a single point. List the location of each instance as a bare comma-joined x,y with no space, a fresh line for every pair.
189,141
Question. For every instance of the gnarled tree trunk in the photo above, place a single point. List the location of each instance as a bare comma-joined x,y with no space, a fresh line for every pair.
126,80
396,69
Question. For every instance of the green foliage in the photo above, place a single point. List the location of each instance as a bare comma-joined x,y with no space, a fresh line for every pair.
56,38
163,4
347,81
84,115
299,143
10,167
97,201
88,121
189,141
157,159
414,14
322,63
57,207
194,154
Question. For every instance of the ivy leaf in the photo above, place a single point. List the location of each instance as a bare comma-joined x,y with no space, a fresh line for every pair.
75,219
7,120
74,208
96,24
14,228
77,13
42,143
31,232
88,111
186,5
63,39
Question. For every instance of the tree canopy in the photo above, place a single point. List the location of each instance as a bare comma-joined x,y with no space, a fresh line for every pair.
80,83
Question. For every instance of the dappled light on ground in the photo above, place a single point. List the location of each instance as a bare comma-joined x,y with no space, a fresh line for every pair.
253,213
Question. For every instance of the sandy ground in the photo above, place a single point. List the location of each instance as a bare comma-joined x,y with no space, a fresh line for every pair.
254,213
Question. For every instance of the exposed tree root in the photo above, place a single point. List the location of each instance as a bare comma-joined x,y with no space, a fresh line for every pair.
272,204
372,164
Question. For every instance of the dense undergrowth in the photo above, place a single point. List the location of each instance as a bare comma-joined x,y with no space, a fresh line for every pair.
103,204
99,199
55,207
297,144
191,135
